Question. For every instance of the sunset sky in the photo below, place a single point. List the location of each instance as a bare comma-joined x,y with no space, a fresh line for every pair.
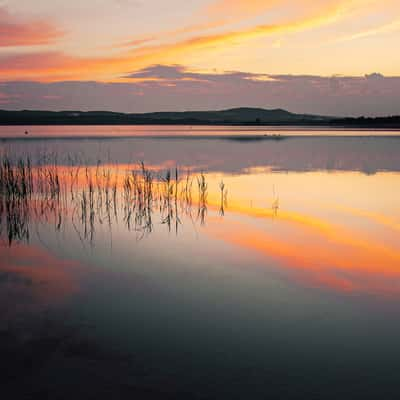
337,57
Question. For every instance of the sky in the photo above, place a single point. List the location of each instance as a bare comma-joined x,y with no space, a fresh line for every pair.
333,57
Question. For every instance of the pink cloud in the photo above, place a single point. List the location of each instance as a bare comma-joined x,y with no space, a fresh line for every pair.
16,31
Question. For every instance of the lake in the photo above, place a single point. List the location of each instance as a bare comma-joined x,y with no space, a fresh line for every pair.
199,263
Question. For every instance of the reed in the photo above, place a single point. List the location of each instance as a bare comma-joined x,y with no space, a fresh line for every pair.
223,199
94,195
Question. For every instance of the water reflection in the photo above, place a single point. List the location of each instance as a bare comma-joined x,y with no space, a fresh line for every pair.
89,197
327,232
113,272
369,154
32,279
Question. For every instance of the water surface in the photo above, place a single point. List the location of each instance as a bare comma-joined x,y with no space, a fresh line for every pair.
278,276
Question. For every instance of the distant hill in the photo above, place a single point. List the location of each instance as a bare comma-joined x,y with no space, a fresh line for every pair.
234,116
363,122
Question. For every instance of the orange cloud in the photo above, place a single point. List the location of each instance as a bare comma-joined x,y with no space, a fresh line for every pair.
216,15
18,32
226,12
56,66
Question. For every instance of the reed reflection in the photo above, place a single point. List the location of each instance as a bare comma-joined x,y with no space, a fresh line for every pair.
89,197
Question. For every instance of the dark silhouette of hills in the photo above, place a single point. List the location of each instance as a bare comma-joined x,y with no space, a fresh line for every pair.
235,116
378,122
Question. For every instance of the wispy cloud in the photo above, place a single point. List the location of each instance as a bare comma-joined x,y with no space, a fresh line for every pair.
232,27
218,14
55,66
16,31
389,27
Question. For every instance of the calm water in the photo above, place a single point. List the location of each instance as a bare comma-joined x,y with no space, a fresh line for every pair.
284,282
103,131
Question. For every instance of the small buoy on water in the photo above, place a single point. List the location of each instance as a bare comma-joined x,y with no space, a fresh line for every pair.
26,132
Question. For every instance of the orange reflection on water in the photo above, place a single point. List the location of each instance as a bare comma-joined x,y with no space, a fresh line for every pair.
351,266
327,243
32,278
335,230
